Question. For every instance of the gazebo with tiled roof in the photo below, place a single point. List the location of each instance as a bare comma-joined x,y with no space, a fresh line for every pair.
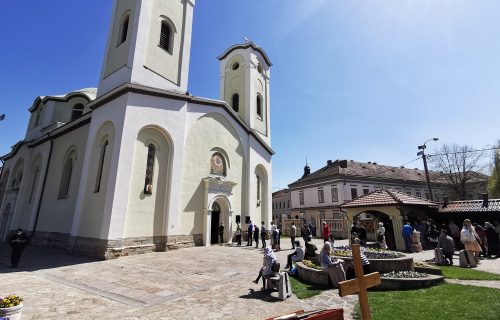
476,210
396,205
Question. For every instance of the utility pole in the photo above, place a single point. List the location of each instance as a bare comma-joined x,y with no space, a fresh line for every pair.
422,153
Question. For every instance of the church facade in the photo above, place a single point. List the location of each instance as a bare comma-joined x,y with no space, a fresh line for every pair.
139,164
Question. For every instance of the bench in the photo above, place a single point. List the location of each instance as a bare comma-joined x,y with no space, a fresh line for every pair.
280,282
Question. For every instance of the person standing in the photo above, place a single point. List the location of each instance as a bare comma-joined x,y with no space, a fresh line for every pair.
361,234
326,231
482,237
221,232
407,233
238,234
468,237
446,243
381,236
432,234
250,234
263,234
17,242
492,240
256,236
274,235
293,233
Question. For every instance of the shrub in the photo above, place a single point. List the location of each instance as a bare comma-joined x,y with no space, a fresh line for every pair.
10,301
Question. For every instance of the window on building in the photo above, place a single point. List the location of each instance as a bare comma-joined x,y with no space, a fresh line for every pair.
77,111
100,167
66,177
150,162
235,102
123,30
280,205
321,195
288,206
427,196
418,194
259,106
258,191
354,193
366,191
335,194
235,66
33,186
166,37
301,197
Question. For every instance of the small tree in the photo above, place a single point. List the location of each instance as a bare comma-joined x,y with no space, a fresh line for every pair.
494,180
458,165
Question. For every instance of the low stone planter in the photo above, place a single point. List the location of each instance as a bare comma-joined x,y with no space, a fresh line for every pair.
312,276
429,269
13,313
394,284
388,265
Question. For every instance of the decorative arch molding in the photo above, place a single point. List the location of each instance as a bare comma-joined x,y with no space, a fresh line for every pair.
17,170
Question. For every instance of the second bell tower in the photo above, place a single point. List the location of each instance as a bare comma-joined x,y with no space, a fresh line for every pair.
149,43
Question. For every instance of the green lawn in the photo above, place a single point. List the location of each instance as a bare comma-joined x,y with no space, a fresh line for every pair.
443,302
452,272
303,290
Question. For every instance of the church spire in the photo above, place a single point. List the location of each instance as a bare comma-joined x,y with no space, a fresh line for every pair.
307,170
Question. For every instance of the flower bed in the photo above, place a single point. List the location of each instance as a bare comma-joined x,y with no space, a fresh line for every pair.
404,275
370,253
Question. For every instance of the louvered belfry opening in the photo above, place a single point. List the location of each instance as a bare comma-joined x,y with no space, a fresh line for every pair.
165,37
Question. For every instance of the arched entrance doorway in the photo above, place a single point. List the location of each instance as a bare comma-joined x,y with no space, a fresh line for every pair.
370,219
5,220
215,223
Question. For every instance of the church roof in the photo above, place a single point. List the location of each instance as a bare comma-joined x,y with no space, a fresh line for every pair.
247,45
89,93
387,197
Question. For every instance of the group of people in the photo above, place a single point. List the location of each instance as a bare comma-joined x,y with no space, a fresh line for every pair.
254,233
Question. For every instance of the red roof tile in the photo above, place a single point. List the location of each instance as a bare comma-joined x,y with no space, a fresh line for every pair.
387,197
471,206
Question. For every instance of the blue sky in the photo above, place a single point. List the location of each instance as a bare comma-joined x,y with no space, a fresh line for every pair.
361,80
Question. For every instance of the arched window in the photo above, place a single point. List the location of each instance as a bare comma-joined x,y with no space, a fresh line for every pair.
100,167
150,162
122,35
166,37
77,111
258,190
66,176
259,105
218,164
235,102
33,186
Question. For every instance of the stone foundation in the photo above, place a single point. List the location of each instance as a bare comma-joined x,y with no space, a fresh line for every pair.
111,249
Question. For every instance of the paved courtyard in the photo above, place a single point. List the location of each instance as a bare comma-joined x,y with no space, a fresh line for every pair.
193,283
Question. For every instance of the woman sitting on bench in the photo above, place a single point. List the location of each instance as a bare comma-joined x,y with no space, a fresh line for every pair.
267,265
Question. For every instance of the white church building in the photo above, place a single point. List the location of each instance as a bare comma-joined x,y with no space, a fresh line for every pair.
138,164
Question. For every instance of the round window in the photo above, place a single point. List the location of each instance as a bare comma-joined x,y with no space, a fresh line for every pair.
259,68
235,66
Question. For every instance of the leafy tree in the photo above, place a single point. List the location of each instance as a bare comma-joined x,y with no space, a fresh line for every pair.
458,165
494,180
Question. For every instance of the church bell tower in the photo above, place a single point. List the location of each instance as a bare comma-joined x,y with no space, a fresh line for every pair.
245,73
149,44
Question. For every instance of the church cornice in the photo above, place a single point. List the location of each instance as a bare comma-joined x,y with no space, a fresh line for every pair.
138,89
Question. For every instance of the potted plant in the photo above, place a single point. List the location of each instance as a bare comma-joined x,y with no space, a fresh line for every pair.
10,307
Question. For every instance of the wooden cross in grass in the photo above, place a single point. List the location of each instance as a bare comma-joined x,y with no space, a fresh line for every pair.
360,284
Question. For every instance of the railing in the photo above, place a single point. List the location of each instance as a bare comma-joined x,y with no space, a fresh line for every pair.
287,223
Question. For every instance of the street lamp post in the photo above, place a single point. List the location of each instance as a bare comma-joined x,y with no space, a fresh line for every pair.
422,153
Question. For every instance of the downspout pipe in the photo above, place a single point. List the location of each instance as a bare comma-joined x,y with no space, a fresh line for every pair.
43,187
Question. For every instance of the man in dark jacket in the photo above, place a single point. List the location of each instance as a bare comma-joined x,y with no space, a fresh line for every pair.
446,243
17,242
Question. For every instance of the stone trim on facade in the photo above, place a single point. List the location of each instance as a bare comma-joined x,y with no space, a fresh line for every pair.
111,249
